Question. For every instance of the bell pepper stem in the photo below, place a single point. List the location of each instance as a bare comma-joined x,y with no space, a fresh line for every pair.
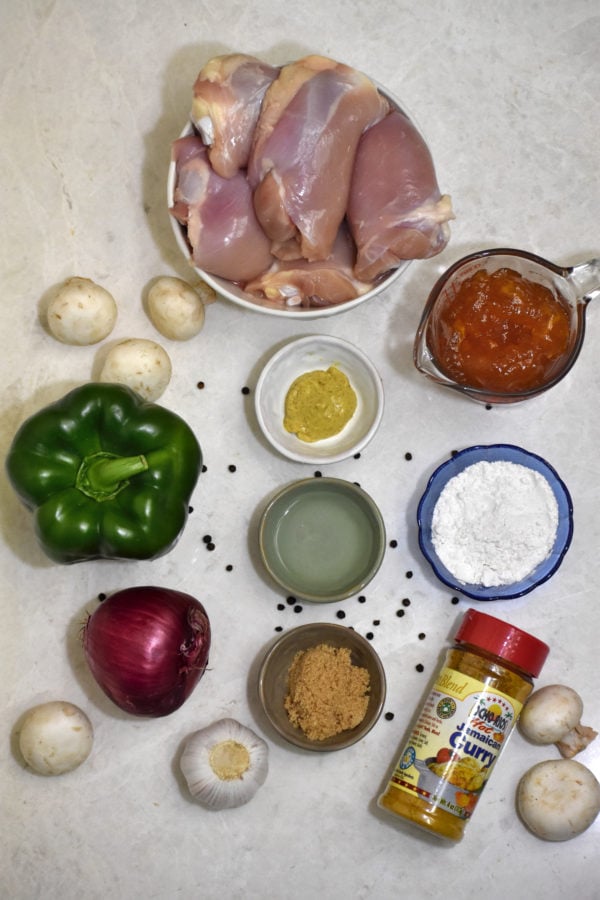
102,475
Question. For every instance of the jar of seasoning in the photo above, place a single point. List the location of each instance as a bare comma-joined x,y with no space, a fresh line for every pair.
464,724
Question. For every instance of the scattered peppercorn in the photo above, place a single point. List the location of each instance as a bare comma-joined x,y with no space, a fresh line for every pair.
420,667
389,716
101,597
408,456
204,469
245,390
298,609
229,567
207,538
405,601
200,385
357,456
376,622
210,546
362,598
281,606
393,543
232,468
290,601
454,601
488,406
409,574
399,613
318,474
341,614
279,628
369,635
422,636
190,510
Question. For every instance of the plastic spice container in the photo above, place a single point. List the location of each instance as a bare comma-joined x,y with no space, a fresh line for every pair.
464,724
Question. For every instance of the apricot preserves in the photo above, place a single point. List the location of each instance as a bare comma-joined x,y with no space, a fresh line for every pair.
500,332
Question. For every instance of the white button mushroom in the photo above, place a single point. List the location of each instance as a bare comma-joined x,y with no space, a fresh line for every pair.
81,312
142,365
558,799
224,764
55,737
552,715
176,308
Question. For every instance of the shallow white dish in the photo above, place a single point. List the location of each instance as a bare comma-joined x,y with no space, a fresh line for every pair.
305,355
231,291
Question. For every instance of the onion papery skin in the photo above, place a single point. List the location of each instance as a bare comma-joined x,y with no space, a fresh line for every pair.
147,647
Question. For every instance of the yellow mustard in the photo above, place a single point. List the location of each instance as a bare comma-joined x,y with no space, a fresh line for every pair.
319,404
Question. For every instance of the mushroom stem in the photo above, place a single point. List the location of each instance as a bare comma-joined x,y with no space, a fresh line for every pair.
576,740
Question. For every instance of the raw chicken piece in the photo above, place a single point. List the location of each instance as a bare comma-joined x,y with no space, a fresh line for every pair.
228,95
395,209
310,284
301,163
222,229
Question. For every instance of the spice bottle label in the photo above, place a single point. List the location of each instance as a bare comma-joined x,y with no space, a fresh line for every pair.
455,743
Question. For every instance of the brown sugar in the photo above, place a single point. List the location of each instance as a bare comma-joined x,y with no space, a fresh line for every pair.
327,693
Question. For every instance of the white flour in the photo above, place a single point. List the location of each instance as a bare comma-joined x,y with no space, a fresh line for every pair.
494,523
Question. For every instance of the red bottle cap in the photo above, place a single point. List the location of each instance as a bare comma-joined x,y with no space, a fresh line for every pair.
503,640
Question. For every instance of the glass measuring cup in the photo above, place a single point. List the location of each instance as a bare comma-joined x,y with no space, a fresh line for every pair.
573,287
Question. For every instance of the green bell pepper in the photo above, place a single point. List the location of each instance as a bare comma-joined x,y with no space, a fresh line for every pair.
107,474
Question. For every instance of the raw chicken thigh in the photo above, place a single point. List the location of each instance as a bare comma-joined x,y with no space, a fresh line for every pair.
301,184
395,209
311,284
301,163
222,229
228,95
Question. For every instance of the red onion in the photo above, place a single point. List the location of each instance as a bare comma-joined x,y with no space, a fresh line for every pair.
147,648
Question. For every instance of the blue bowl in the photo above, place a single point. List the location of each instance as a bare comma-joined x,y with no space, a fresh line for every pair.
494,453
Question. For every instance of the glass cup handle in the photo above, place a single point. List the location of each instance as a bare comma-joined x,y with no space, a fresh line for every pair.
585,278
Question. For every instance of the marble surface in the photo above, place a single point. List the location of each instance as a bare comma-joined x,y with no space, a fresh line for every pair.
90,97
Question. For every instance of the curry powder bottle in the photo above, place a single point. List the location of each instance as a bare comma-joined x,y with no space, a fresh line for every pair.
464,724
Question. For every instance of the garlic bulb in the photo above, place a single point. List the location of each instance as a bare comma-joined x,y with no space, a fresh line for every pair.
224,764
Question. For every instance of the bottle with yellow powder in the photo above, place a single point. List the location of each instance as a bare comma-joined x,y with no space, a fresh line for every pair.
319,404
464,725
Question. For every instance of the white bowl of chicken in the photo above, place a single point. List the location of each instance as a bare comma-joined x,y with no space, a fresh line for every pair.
303,189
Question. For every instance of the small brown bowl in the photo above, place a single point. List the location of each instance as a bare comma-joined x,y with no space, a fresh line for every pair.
273,681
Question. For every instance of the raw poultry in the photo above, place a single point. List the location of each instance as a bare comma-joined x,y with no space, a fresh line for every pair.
301,184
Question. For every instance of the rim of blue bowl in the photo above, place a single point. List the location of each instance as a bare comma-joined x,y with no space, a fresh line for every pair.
494,452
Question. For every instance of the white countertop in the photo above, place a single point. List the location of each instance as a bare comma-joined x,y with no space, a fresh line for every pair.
91,94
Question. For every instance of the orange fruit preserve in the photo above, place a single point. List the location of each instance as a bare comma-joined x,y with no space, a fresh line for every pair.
500,332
